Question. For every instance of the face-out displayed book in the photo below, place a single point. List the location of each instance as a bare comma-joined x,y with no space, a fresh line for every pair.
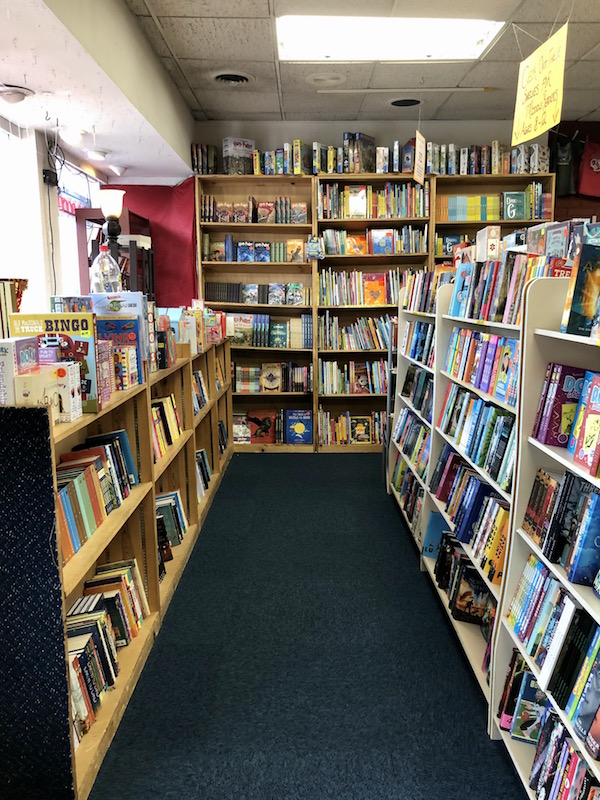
298,426
74,338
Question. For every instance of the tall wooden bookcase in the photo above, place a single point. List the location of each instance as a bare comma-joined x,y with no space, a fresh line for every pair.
129,531
231,189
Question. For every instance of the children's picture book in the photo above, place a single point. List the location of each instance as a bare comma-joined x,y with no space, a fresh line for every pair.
298,426
356,244
262,426
241,429
374,289
360,429
75,336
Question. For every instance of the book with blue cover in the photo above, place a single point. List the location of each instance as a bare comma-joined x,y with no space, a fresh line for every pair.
585,561
298,426
460,293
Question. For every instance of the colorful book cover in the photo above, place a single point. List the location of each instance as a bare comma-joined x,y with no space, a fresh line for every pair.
298,426
382,241
590,428
250,293
125,304
75,336
360,429
276,296
561,413
278,334
294,249
294,294
17,357
374,289
586,550
262,251
460,291
586,292
262,426
123,332
270,377
529,710
505,366
241,429
245,251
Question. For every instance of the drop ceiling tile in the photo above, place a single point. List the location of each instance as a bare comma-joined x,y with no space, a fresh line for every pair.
481,105
548,11
238,101
497,74
378,106
582,75
334,8
593,54
593,117
190,98
220,38
208,8
578,103
174,71
154,36
294,75
138,7
200,74
306,106
198,115
460,9
398,76
248,116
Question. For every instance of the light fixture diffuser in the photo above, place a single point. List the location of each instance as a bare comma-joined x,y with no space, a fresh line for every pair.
111,202
323,38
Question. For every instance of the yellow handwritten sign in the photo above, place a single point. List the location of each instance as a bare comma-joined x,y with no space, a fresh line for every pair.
540,90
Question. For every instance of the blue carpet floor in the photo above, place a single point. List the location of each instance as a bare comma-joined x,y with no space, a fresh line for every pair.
305,657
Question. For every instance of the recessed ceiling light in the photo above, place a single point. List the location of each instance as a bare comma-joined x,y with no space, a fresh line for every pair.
405,101
14,94
325,38
325,79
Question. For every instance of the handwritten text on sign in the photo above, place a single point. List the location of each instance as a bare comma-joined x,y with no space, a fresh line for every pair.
540,90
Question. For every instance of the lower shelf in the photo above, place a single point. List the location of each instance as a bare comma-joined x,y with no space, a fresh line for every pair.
469,635
93,746
411,527
350,448
521,755
273,448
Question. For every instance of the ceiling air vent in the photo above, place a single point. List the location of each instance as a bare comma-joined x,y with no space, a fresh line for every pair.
405,102
231,78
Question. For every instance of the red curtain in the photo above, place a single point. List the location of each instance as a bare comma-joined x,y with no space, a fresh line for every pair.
170,210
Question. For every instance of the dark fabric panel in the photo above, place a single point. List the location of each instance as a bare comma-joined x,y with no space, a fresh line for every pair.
35,755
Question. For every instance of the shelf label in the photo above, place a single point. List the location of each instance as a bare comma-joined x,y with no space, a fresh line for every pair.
539,99
420,149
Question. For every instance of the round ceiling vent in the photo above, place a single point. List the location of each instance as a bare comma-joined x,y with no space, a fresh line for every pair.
14,94
325,80
232,78
404,102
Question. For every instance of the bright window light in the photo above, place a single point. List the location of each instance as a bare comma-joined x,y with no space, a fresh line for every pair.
325,38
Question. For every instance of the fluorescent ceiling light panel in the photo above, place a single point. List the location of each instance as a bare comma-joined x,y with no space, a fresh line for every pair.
309,38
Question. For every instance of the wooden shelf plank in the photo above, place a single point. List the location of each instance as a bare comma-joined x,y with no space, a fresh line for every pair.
157,377
350,448
173,451
174,569
255,447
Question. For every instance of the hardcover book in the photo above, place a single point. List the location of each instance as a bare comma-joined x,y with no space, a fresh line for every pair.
298,426
586,292
262,426
561,405
123,332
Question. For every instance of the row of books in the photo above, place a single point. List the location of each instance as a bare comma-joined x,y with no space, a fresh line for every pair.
262,330
375,241
444,243
367,333
493,290
223,436
280,211
391,201
228,250
494,159
171,527
410,492
482,431
532,203
350,428
559,636
413,438
561,517
92,481
200,395
283,426
487,361
478,514
203,473
166,426
272,377
418,388
273,294
418,341
469,598
107,617
352,377
422,286
356,288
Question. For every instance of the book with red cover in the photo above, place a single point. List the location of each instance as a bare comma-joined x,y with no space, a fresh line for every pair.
562,406
447,479
262,426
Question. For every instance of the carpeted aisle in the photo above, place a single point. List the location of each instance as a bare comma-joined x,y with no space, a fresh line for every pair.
304,657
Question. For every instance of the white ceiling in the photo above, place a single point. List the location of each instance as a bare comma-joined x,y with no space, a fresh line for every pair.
197,39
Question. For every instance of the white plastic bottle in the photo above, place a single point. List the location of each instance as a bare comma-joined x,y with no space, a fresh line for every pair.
105,275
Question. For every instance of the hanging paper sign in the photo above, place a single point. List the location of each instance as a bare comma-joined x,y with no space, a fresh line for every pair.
540,89
419,158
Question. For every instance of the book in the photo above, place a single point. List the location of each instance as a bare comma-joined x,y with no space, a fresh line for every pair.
298,426
529,710
584,453
559,411
262,426
75,337
586,292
